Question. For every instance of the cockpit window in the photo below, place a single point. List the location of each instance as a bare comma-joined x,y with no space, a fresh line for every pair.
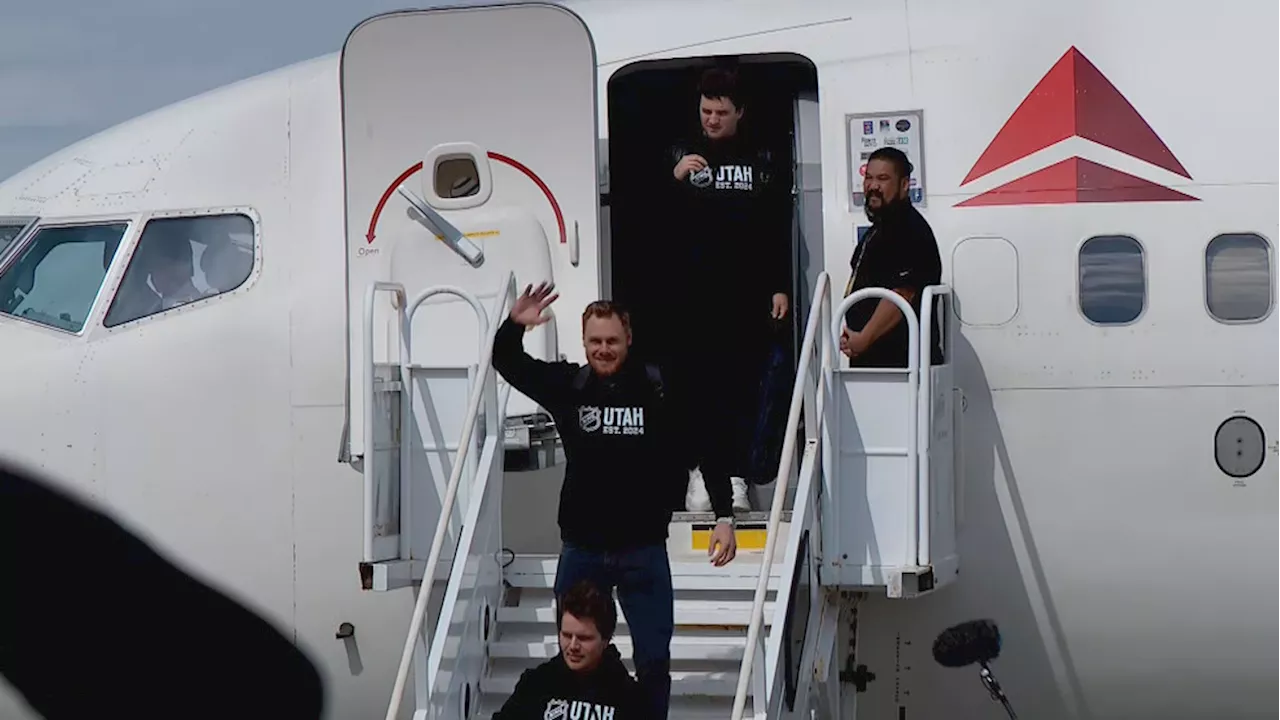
181,260
55,279
8,233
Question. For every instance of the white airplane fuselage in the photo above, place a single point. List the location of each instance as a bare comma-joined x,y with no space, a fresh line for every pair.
1130,575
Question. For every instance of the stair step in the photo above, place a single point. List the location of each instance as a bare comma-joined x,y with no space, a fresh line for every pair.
688,572
686,707
542,647
753,517
713,613
683,683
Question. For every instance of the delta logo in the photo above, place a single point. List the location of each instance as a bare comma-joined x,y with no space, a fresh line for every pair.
1074,99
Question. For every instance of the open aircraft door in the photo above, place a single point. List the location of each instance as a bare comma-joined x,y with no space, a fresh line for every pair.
469,139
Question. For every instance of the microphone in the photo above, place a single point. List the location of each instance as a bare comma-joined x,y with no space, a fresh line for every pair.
975,641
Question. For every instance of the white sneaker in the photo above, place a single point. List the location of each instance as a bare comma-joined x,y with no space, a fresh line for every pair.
741,503
696,498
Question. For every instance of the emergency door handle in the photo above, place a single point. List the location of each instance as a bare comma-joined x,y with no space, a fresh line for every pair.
575,246
453,237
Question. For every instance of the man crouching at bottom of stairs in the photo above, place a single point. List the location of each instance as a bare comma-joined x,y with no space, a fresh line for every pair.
587,678
627,457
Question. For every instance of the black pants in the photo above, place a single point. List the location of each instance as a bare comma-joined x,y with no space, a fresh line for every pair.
715,362
642,577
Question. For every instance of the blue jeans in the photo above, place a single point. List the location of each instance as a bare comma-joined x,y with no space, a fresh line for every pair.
643,579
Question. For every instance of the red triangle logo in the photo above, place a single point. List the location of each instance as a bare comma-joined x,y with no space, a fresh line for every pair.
1074,99
1075,180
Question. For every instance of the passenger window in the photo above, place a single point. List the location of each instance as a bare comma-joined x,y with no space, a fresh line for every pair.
1237,277
181,260
457,177
1112,280
55,280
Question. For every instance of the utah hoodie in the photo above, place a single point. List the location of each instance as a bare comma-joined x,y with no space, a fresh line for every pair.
552,691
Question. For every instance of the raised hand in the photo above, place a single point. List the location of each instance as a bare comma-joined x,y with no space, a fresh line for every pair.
528,308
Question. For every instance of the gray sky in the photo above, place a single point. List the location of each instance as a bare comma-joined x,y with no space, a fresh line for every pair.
70,68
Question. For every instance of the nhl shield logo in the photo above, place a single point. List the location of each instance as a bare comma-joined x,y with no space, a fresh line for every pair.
702,178
589,419
556,710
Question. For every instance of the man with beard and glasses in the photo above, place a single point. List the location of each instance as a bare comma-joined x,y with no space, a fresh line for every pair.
899,252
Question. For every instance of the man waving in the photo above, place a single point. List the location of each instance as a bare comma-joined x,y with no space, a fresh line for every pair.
626,454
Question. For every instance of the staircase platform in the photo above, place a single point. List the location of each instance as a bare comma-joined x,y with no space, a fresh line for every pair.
689,612
686,546
689,571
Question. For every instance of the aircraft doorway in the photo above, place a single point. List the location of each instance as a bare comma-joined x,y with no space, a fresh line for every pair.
655,114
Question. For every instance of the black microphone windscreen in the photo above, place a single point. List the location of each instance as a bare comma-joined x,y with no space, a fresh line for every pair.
967,643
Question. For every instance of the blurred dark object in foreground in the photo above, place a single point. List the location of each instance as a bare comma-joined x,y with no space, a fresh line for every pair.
94,623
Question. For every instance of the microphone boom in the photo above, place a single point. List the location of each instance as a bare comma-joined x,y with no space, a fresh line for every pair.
975,641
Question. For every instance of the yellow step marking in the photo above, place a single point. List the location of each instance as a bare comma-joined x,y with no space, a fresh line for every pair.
749,538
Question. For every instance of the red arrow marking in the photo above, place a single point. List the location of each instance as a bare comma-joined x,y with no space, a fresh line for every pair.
377,210
551,198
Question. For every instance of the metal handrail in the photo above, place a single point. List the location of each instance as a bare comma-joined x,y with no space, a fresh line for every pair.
368,461
406,405
918,356
924,550
812,332
913,396
446,508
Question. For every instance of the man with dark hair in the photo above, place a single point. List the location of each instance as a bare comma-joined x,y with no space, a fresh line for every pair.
625,453
898,252
586,679
124,632
735,258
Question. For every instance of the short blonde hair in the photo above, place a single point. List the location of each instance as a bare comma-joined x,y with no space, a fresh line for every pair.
606,309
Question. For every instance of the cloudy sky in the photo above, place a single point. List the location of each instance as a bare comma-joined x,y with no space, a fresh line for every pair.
69,68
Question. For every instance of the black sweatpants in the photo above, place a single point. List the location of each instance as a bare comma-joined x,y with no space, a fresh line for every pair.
715,366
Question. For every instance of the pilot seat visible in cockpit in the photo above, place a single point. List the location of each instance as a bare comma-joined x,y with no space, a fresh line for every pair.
163,274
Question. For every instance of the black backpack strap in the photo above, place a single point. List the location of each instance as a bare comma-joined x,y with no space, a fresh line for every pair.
655,378
581,377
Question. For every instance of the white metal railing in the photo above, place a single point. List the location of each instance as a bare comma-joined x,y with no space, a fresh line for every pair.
924,431
506,293
913,396
467,460
807,394
370,477
483,484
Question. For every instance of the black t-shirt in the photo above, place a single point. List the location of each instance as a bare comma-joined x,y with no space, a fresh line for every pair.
733,223
899,251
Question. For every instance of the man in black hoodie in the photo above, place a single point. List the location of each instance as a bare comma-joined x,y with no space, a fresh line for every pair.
733,229
626,458
587,678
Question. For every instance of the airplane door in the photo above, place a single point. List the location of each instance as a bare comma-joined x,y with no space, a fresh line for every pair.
488,116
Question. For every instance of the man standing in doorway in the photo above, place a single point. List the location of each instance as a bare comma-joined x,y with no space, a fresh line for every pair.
734,284
898,252
625,452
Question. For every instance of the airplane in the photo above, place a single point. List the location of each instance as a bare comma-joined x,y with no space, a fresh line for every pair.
1105,203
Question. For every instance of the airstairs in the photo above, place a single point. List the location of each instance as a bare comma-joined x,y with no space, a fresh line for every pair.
869,459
